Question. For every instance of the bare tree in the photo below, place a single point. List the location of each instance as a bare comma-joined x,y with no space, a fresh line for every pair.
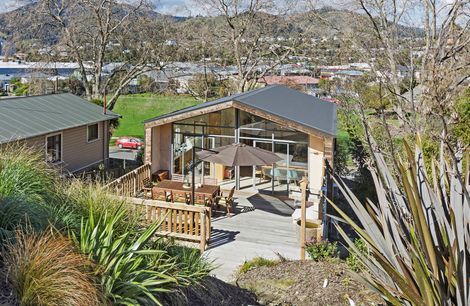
409,43
99,32
445,67
246,37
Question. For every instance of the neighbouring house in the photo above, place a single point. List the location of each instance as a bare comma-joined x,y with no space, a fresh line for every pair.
298,127
307,84
72,132
5,81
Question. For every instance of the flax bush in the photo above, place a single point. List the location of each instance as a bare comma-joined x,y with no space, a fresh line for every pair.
189,266
130,271
417,235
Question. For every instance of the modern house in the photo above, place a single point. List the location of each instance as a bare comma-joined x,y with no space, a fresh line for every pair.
72,132
298,127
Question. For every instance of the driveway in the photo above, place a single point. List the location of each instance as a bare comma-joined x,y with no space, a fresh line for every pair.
125,154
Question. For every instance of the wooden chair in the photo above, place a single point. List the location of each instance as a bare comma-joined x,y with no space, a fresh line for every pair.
187,198
169,196
159,195
179,197
147,187
226,201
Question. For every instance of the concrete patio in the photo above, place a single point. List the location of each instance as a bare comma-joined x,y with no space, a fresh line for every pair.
262,226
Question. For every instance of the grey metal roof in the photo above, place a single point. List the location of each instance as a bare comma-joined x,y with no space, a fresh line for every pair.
26,117
280,101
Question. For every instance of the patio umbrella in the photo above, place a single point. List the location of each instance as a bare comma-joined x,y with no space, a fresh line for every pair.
239,154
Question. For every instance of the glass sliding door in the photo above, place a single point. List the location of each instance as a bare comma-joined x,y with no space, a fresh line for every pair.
274,178
284,174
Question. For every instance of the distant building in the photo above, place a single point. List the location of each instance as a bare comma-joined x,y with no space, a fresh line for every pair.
307,84
5,81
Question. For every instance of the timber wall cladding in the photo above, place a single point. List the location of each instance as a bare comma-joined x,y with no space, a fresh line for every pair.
77,152
159,148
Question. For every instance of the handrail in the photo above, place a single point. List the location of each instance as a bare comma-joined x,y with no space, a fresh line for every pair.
181,221
130,184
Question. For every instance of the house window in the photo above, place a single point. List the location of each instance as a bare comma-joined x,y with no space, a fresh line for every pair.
92,134
54,148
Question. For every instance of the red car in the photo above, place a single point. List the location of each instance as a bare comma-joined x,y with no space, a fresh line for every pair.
129,143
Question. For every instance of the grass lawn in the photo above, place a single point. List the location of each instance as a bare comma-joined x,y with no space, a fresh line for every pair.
134,109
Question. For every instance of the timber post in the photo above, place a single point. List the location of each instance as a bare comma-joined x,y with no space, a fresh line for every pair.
303,216
203,232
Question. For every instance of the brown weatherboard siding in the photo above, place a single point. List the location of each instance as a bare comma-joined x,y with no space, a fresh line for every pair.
77,152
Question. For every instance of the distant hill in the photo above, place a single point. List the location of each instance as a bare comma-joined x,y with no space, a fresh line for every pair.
30,23
26,25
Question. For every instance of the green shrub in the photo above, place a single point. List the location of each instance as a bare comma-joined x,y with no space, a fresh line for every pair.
45,269
131,267
130,271
25,174
322,250
79,199
19,214
27,183
353,261
255,263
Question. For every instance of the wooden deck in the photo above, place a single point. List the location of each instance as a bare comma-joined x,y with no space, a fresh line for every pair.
262,226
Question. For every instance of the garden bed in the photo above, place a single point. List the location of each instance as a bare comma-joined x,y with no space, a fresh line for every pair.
302,283
210,292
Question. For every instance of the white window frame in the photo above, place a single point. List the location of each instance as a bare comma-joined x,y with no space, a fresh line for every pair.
88,136
61,147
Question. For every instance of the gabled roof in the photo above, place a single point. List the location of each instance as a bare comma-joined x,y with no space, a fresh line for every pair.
26,117
279,101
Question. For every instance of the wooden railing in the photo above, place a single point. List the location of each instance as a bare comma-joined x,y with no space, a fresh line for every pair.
130,184
181,221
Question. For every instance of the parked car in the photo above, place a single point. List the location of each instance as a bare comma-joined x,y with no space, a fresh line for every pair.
129,143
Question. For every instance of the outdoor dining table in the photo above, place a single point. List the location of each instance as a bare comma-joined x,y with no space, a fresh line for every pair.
209,192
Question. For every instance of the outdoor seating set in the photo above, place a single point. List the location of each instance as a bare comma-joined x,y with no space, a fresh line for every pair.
175,191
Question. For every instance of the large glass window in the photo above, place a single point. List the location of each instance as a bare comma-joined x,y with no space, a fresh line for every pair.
54,148
255,126
219,129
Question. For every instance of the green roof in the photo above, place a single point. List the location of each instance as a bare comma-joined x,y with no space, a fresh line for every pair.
26,117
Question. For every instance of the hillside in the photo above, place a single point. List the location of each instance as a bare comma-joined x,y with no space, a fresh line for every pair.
28,24
32,23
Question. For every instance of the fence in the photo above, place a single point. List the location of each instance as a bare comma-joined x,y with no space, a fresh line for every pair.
130,184
181,221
